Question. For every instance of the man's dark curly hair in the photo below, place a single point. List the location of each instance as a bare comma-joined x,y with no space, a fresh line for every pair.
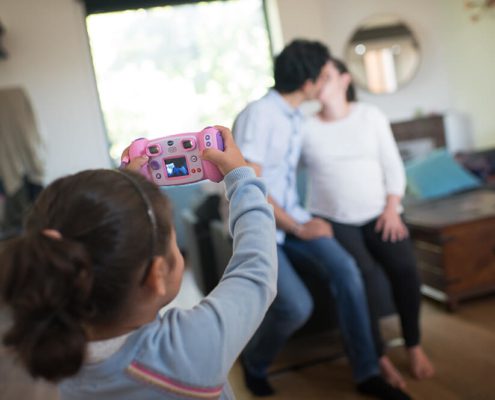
299,61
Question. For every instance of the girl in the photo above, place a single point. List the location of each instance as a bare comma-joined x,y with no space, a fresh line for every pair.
356,183
98,260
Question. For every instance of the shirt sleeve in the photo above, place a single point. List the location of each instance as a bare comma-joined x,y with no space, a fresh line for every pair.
251,133
393,168
207,339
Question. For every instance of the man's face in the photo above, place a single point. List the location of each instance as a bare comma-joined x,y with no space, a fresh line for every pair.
313,89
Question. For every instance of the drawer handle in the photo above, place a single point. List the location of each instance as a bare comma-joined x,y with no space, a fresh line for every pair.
434,248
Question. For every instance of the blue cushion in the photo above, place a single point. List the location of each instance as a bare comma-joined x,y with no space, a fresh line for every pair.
438,175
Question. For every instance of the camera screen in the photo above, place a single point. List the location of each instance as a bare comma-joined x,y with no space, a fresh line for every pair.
176,167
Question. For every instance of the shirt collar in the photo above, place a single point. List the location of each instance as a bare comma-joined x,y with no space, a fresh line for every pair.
284,106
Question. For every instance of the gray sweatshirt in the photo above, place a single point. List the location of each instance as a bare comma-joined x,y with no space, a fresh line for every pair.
187,354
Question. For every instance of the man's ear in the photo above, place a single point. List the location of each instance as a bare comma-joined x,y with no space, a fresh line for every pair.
155,280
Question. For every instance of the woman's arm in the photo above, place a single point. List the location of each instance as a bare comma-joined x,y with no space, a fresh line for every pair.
390,222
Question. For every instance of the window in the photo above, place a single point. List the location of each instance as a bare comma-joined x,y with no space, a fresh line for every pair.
178,68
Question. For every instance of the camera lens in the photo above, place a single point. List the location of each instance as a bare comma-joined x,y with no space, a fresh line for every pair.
170,142
187,144
153,149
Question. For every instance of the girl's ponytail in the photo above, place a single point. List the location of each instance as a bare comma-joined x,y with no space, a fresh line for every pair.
87,243
46,282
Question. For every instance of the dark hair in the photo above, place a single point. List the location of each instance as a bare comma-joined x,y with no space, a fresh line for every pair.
299,61
342,68
55,287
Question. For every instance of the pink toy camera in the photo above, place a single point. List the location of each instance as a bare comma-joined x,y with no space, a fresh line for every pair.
174,159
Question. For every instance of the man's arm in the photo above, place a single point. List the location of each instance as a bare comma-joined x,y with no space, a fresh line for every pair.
312,229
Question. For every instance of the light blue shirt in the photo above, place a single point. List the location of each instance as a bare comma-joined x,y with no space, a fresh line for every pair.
268,132
187,354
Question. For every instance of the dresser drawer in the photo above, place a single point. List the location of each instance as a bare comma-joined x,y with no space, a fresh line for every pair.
430,253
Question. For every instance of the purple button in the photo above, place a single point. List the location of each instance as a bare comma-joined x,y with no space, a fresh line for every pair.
207,137
194,158
208,144
155,165
220,141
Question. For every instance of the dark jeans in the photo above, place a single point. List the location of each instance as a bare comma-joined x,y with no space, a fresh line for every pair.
399,264
293,306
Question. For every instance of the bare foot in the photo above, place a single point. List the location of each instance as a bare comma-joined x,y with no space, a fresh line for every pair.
391,374
420,364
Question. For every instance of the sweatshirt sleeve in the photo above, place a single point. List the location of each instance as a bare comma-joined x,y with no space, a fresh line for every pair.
393,168
206,340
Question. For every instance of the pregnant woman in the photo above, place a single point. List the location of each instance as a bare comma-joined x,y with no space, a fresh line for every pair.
356,182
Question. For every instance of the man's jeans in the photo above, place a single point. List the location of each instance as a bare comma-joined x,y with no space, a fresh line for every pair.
293,306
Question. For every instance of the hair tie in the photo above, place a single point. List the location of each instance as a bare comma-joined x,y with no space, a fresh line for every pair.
52,234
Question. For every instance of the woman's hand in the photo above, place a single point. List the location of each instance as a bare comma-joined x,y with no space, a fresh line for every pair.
229,159
391,226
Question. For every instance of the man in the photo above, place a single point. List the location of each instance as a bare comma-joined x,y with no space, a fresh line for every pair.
268,134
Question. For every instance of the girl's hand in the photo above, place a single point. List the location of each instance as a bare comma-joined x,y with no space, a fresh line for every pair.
229,159
134,165
391,226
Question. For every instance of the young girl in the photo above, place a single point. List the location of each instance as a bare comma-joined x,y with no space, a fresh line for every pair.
98,260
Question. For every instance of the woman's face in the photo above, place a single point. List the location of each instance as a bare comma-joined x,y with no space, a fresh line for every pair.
336,85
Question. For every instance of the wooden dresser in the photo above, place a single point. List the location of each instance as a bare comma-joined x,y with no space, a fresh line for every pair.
454,239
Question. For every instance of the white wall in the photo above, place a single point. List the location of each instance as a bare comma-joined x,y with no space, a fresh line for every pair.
49,57
470,51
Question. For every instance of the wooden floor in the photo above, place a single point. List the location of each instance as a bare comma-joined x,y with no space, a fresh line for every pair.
462,346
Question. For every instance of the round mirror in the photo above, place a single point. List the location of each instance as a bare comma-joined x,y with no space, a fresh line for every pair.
382,54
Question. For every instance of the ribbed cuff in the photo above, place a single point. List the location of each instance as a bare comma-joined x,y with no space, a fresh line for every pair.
238,174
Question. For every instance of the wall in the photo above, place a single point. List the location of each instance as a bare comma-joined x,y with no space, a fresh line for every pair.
49,57
470,51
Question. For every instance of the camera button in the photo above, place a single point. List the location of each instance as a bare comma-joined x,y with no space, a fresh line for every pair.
208,144
193,170
194,158
199,170
207,137
158,176
155,165
154,149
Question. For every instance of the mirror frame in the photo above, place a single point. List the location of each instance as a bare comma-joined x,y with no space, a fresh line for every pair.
400,28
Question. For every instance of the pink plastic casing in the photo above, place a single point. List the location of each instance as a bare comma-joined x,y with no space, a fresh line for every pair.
138,149
171,151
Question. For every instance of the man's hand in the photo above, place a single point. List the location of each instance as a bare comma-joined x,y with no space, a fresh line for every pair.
314,229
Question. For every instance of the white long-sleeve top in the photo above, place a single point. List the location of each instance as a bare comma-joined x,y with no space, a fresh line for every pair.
352,165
